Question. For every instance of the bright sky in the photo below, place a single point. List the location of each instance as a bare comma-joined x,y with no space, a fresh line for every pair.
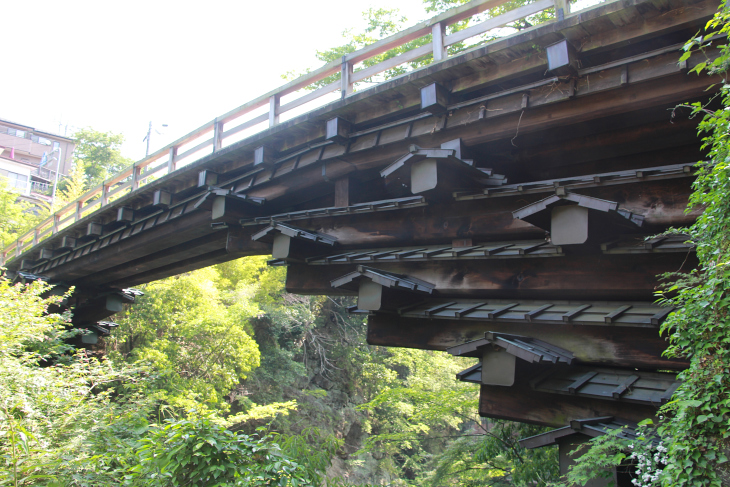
116,65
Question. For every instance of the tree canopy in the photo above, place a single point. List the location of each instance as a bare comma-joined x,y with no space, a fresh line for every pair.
98,154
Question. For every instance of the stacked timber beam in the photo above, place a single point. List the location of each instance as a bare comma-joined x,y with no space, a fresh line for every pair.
506,201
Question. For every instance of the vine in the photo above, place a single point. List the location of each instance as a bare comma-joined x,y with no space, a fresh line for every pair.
694,426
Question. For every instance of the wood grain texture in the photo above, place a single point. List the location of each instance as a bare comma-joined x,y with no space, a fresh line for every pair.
599,345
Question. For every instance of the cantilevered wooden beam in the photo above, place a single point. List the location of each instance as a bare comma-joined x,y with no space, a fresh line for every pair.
601,345
521,402
514,276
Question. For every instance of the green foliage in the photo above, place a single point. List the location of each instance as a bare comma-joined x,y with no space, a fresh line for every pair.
382,23
16,217
697,419
198,347
98,153
694,426
58,409
420,409
201,452
599,457
74,186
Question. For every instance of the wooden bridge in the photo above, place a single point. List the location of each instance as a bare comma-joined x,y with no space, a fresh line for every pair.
496,203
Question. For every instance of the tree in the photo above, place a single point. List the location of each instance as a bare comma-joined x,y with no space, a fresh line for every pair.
382,23
425,418
66,418
98,153
198,346
74,186
16,217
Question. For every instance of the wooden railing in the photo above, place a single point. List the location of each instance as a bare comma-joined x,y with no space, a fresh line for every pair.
213,134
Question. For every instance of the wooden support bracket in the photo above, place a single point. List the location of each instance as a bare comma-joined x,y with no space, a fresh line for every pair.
435,99
338,130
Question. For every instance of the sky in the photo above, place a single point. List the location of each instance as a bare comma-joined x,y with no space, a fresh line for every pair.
117,65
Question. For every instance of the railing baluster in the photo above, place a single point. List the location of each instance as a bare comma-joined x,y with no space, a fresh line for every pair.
136,173
273,110
171,161
562,9
346,79
218,135
437,33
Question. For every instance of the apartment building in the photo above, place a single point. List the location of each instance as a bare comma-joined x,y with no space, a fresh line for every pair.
27,145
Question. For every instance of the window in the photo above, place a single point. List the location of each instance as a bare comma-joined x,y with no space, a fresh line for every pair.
40,140
56,145
19,181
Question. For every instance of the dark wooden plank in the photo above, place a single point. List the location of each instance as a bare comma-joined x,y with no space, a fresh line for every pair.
580,382
465,311
531,314
567,317
624,386
501,310
616,313
659,317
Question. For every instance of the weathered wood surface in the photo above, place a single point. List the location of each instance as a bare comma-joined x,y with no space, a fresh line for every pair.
600,345
521,403
601,277
662,203
596,32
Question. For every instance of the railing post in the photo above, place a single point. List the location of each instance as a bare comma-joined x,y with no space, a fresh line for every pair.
171,160
273,110
35,236
136,173
218,134
346,79
56,219
437,33
79,205
104,197
562,9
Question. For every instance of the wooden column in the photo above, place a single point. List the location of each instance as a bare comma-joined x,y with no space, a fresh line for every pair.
439,51
273,110
346,79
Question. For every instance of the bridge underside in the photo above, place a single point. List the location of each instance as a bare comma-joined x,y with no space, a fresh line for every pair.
490,192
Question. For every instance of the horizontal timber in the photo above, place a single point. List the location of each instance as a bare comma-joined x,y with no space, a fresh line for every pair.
591,276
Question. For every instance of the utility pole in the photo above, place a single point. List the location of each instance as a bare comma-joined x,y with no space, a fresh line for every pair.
149,132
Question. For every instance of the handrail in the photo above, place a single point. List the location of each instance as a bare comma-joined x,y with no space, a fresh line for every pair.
133,177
